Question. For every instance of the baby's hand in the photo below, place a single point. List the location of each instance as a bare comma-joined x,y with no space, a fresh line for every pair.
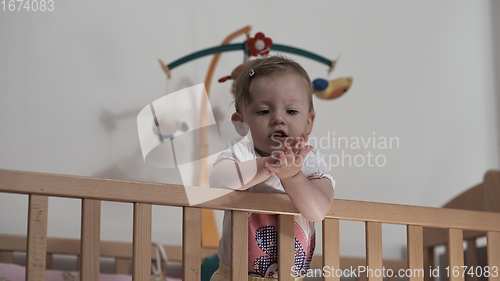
288,162
298,143
273,160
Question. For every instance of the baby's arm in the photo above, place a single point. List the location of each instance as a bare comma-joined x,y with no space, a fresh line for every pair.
312,198
225,174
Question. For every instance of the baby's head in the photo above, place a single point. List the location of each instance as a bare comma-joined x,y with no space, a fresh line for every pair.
269,67
273,96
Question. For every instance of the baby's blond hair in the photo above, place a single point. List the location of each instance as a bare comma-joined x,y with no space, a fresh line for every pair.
268,66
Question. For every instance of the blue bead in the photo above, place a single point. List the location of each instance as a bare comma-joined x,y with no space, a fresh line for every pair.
320,84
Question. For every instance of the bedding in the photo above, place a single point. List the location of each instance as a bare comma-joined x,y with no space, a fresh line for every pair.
14,272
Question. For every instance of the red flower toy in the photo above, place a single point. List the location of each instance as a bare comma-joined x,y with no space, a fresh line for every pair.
259,45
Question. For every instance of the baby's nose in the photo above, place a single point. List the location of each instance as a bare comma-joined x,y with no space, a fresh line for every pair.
278,118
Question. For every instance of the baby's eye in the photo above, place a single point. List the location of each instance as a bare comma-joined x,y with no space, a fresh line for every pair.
262,112
291,111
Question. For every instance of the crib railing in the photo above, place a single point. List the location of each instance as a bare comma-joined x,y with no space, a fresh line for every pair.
143,195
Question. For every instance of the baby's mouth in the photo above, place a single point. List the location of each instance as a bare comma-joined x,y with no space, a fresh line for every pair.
279,136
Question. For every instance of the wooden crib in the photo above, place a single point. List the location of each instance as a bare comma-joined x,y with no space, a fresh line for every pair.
143,195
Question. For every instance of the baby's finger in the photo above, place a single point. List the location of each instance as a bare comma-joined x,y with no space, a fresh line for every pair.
301,156
288,140
299,147
305,137
281,159
290,155
275,155
272,166
303,140
270,170
297,141
303,152
300,144
293,142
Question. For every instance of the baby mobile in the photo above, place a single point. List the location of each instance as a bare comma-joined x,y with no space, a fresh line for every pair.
259,45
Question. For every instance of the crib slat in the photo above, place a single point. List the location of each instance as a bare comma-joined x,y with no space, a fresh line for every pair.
415,244
49,258
429,263
471,257
286,247
456,253
90,239
331,247
142,242
493,244
239,246
122,266
191,244
374,250
78,262
37,237
6,256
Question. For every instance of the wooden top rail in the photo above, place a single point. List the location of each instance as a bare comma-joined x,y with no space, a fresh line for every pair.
175,195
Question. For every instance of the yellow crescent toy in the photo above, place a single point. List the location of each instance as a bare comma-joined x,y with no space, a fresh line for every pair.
329,90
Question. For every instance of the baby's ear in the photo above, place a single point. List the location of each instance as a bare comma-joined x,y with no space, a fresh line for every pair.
310,122
239,126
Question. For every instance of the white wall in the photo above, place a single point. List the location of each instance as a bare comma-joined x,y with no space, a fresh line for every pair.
495,22
423,72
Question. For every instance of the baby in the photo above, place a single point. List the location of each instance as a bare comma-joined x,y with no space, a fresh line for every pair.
273,98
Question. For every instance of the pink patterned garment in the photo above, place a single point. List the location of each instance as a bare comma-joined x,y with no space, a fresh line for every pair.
263,246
